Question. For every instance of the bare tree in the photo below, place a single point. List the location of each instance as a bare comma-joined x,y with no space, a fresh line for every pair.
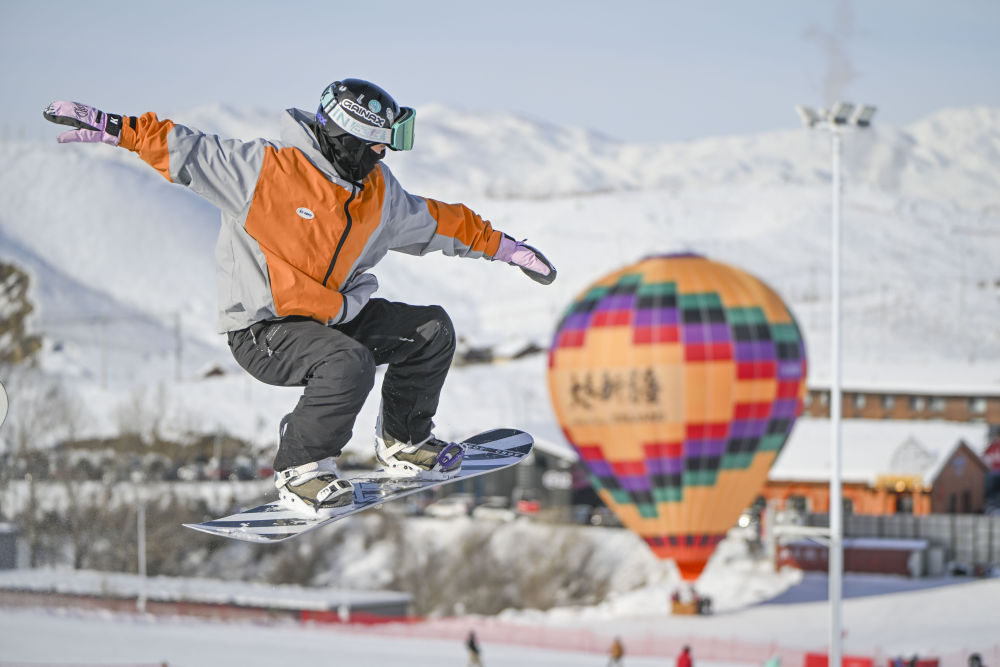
16,344
142,415
42,412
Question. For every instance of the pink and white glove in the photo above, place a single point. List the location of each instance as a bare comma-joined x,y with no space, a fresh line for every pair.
93,124
528,259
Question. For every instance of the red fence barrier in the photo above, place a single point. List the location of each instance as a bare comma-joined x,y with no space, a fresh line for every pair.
704,648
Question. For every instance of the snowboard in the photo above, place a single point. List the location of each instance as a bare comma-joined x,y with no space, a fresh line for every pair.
273,522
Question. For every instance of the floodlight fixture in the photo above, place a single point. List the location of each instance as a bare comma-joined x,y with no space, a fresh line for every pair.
840,114
863,116
810,117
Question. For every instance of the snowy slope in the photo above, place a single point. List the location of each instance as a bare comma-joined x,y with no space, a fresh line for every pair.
107,239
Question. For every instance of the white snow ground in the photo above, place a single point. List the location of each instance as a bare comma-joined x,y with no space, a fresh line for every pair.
88,639
883,617
758,612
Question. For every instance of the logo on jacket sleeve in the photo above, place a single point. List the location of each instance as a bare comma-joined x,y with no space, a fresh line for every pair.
304,213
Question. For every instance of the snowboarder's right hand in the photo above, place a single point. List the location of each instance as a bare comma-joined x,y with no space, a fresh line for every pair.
93,125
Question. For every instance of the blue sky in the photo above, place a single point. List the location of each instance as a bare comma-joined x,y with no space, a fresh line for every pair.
637,71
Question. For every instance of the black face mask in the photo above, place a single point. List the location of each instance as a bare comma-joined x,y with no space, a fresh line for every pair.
352,158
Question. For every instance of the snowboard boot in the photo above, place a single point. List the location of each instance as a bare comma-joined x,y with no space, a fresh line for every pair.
314,487
430,458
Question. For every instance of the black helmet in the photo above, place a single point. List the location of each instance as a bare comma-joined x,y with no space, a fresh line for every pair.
363,110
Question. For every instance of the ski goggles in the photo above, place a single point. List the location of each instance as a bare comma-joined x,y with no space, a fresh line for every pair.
344,114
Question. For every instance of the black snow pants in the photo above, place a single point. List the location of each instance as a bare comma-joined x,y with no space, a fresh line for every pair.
336,365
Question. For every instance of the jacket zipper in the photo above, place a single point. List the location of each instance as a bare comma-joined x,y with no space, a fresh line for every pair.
343,237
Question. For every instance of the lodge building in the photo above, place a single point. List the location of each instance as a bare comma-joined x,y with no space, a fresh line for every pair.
902,453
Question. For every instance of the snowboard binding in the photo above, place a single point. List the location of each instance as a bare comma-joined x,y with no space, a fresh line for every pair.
430,458
314,488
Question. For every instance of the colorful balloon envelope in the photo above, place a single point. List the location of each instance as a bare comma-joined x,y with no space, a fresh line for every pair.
678,380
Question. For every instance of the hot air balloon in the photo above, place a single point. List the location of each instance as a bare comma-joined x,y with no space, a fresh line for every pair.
677,380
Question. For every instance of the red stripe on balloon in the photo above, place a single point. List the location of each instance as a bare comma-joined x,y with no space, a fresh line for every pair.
708,352
653,334
663,450
789,389
590,453
756,370
611,318
623,468
752,410
572,338
709,431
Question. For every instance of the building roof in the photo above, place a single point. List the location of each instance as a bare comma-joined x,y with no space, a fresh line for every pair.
870,448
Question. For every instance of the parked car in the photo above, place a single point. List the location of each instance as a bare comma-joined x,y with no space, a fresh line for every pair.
581,513
191,472
528,507
526,502
496,508
457,504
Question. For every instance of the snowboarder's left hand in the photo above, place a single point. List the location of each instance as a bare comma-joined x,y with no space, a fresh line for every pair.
527,258
92,124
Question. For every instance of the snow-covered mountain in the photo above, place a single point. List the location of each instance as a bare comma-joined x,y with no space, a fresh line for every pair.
123,275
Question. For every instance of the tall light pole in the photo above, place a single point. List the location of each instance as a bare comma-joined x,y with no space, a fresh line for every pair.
842,115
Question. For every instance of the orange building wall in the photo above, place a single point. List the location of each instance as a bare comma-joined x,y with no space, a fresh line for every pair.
864,500
952,408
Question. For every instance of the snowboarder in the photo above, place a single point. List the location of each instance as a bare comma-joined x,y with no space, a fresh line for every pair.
684,659
304,220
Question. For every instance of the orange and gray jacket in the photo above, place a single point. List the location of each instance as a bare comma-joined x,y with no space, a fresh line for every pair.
296,239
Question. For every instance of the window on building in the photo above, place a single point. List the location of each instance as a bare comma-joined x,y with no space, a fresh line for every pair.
952,503
904,504
937,404
917,403
888,402
797,503
808,400
977,405
824,398
859,401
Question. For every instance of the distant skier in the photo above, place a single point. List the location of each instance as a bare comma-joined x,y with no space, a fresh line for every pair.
684,659
303,221
616,653
473,646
